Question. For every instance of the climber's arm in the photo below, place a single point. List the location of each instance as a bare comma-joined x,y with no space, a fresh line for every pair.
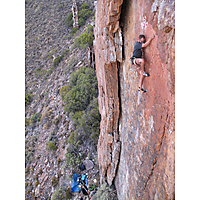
148,41
142,53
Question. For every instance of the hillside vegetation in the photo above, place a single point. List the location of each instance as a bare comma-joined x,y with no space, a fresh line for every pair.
62,116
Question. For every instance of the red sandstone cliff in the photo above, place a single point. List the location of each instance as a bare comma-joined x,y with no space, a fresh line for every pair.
136,146
108,50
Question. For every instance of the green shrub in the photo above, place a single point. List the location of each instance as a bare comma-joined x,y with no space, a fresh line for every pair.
57,60
60,58
60,7
74,138
56,121
73,159
47,72
54,181
52,142
62,193
33,195
81,21
68,193
36,183
30,148
35,117
84,13
27,169
63,91
59,161
65,52
81,98
38,72
87,123
82,89
94,137
85,6
77,116
27,98
93,119
52,137
27,122
81,104
69,20
49,55
105,192
84,40
52,146
73,31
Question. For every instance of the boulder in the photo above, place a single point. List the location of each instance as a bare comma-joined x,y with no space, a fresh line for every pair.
88,164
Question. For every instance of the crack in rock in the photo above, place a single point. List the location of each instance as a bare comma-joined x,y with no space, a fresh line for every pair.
155,161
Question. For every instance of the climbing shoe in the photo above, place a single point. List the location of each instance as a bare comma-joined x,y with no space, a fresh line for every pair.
141,90
146,74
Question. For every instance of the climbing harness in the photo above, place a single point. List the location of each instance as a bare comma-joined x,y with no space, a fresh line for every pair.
133,60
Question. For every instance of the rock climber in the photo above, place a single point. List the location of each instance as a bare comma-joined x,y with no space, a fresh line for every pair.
138,58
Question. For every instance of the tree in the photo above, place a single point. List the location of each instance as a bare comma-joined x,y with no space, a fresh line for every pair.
82,89
84,40
69,20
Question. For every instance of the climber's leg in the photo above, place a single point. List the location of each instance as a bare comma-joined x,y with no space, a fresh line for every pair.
140,61
141,83
141,79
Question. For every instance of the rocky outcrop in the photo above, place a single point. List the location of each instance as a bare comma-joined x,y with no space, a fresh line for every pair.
108,52
91,57
136,146
75,14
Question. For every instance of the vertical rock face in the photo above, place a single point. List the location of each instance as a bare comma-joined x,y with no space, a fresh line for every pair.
75,14
136,146
108,52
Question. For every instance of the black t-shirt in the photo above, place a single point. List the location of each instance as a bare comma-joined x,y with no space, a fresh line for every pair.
137,50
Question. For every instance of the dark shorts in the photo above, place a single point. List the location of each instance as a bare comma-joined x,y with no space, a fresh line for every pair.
135,64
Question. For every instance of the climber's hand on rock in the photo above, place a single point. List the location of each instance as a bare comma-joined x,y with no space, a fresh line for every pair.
153,36
148,42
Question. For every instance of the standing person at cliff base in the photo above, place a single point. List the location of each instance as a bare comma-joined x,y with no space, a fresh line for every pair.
138,58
